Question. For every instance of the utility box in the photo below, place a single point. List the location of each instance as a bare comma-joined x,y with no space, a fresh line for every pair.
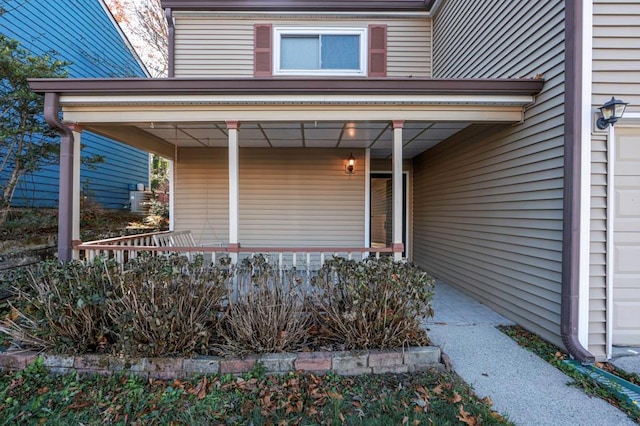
139,201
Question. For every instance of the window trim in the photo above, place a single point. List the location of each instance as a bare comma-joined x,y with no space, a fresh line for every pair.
278,32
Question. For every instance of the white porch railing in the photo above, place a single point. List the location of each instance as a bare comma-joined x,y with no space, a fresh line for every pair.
129,247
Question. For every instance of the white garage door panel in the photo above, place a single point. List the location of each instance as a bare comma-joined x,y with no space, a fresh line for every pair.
627,259
626,238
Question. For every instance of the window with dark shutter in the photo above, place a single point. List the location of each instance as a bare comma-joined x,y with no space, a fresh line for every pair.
377,50
262,51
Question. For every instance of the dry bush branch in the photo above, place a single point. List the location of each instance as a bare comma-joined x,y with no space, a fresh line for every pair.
265,311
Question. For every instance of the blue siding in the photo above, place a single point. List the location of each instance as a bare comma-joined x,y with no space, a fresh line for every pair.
81,32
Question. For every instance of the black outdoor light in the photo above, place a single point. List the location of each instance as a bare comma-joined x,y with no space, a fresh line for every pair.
350,167
611,112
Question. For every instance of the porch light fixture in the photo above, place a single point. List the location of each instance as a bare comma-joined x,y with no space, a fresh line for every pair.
350,167
611,112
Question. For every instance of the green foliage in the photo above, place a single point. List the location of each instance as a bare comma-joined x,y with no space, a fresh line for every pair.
33,396
21,224
166,306
26,141
554,355
376,303
265,311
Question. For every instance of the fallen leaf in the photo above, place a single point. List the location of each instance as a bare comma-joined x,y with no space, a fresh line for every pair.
466,418
437,390
405,419
334,395
456,398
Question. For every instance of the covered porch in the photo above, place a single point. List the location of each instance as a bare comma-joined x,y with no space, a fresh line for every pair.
264,165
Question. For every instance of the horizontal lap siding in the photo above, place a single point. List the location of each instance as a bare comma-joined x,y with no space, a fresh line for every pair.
616,72
300,197
288,197
202,194
86,37
208,46
616,52
488,201
598,248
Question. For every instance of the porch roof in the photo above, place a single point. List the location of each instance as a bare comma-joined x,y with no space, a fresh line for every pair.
159,114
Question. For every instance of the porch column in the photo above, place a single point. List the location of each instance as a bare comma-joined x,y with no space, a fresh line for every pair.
397,189
234,189
75,198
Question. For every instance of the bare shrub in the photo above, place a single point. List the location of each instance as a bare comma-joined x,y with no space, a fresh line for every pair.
61,306
167,306
265,311
376,303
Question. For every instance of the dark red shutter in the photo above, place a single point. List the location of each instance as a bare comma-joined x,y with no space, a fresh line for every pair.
262,50
377,50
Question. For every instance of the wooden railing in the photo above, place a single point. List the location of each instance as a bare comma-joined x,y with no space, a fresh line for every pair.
125,248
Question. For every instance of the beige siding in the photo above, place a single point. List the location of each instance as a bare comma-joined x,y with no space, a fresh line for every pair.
616,52
202,194
300,197
488,202
288,197
209,46
598,248
616,72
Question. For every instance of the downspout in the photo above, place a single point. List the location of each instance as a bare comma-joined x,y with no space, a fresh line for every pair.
569,310
65,192
171,42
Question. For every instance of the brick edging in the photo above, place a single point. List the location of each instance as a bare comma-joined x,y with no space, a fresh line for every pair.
349,363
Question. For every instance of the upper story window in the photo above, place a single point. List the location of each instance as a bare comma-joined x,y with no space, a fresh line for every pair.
320,51
330,51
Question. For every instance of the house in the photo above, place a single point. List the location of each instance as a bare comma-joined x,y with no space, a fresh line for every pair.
89,38
470,129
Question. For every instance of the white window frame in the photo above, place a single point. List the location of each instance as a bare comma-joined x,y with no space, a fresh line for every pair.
278,32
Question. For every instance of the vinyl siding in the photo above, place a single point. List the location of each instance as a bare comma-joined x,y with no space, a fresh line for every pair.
300,197
488,201
288,197
86,37
598,248
616,72
201,201
616,52
210,46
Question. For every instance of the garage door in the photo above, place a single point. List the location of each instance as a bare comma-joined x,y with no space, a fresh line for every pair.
626,238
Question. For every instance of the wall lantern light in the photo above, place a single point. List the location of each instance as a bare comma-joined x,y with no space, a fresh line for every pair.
350,167
611,112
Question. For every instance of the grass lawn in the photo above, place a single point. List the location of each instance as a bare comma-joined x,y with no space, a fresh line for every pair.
36,397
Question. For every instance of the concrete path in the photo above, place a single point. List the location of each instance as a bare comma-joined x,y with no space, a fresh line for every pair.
526,389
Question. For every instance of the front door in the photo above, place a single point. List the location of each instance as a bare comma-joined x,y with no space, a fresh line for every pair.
382,210
626,239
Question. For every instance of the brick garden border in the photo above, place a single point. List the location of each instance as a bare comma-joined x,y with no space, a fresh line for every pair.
413,359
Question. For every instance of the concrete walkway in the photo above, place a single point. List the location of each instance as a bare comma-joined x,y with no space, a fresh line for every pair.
526,389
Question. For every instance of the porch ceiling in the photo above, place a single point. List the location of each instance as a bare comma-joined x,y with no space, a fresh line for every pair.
418,136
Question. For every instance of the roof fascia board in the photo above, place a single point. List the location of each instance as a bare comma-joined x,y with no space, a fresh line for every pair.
299,5
289,86
211,99
303,14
